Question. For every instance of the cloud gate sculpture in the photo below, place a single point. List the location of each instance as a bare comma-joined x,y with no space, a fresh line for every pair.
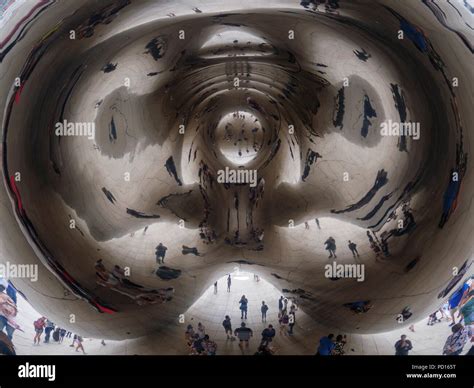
149,147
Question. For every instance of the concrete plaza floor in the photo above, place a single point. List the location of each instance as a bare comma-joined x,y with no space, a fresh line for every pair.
211,309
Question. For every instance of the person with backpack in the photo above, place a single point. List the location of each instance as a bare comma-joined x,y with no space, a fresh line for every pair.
227,327
243,333
264,310
39,325
243,306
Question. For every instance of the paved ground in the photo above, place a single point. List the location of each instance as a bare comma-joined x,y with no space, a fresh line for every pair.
211,308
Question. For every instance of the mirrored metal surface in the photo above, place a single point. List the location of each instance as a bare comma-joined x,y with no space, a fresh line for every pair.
150,147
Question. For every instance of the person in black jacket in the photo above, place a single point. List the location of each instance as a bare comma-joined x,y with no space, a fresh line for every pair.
403,346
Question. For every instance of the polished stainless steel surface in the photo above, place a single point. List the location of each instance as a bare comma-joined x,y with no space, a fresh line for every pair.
180,95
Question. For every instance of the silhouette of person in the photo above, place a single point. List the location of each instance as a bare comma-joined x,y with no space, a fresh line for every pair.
353,247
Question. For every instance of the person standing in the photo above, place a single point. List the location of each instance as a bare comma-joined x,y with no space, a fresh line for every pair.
160,253
47,331
331,247
229,282
39,325
215,287
62,334
243,333
283,319
227,327
454,301
8,312
280,304
353,247
264,310
243,307
403,346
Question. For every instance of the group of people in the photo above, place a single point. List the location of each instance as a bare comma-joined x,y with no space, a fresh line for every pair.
330,246
201,344
244,334
43,324
330,346
461,302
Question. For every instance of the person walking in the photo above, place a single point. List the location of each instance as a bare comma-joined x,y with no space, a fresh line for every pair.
353,247
79,341
160,252
229,282
264,310
227,327
243,307
215,287
331,247
244,334
403,346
